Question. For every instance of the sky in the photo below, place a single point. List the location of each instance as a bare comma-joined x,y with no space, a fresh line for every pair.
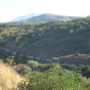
11,9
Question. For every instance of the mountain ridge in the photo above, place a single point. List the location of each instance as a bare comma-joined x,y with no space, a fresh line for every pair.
43,18
25,17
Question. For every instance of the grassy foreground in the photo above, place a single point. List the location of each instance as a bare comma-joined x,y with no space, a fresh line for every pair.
8,77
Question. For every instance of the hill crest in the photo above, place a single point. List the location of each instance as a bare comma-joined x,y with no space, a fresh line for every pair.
43,18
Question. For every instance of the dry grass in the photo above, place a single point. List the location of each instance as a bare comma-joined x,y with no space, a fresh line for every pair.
8,77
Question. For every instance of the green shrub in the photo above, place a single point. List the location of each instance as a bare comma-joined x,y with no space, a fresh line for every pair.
24,69
53,79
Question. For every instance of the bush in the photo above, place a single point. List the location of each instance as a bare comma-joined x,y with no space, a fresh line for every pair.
23,69
33,64
53,79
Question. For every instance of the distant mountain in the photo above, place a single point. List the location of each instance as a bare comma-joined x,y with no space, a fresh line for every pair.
26,17
43,19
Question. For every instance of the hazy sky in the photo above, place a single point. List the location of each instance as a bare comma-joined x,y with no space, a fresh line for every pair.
10,9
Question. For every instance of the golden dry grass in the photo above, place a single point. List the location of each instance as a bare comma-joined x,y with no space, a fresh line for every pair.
8,77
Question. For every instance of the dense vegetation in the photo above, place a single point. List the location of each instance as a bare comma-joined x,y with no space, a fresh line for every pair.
44,76
49,39
53,77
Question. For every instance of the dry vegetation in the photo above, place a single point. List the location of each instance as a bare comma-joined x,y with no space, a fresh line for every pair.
8,77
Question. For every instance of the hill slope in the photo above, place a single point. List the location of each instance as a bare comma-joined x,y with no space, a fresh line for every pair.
49,39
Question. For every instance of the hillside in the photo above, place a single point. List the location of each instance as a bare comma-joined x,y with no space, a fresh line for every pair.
43,18
48,40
